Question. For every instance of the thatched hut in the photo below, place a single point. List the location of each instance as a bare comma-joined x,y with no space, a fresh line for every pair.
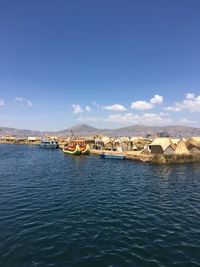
193,145
162,145
138,143
120,143
32,139
101,142
175,141
181,148
21,140
9,139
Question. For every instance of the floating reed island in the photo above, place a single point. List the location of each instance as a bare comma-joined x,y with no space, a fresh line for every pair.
161,150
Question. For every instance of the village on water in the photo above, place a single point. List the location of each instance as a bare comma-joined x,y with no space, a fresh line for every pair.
159,148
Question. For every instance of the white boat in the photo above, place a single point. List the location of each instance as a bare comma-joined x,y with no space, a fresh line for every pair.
48,144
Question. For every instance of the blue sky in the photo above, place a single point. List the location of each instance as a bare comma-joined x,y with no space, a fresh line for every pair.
105,63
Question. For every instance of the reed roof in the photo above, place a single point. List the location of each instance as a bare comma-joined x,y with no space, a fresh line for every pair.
181,148
175,140
164,142
194,141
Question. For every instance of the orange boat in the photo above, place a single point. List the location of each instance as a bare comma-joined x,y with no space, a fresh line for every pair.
77,147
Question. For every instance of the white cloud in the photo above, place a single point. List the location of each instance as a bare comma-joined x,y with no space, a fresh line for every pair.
90,118
2,104
186,121
143,105
190,103
146,118
77,108
157,99
18,99
121,118
190,96
24,101
115,107
164,113
151,117
131,118
87,108
173,109
95,104
29,103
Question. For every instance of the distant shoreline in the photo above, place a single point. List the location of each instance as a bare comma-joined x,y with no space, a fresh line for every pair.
138,156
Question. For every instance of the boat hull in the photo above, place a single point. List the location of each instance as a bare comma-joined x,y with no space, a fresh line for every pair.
86,150
76,151
52,146
46,143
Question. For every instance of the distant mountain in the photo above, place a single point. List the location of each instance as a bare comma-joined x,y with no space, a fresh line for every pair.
141,130
18,132
86,130
80,130
135,130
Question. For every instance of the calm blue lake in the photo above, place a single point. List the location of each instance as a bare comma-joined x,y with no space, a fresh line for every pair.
58,210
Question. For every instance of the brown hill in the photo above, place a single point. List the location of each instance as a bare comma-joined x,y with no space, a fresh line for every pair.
87,130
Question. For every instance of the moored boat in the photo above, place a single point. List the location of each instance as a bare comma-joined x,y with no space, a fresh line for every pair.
77,147
85,150
48,144
72,149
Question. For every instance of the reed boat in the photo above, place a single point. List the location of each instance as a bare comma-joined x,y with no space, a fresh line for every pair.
72,150
77,147
85,149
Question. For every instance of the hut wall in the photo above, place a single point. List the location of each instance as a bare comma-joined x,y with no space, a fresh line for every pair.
124,147
169,150
156,149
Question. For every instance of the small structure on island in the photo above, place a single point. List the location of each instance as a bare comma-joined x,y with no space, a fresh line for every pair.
120,143
162,145
181,148
101,142
175,141
21,140
193,145
54,138
32,139
8,139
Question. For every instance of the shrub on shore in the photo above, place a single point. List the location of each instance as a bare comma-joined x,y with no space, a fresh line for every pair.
176,158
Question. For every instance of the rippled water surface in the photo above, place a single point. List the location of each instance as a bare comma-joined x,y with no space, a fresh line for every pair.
58,210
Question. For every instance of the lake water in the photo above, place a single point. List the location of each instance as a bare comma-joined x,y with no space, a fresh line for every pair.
58,210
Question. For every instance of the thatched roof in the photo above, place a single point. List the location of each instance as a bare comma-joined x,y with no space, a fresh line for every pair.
164,142
135,138
125,139
134,147
181,148
175,140
105,139
194,141
197,139
117,140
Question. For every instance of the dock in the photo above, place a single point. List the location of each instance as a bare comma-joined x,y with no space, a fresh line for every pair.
110,156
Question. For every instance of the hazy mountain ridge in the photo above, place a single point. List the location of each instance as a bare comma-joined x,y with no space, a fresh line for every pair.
80,129
18,132
87,130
